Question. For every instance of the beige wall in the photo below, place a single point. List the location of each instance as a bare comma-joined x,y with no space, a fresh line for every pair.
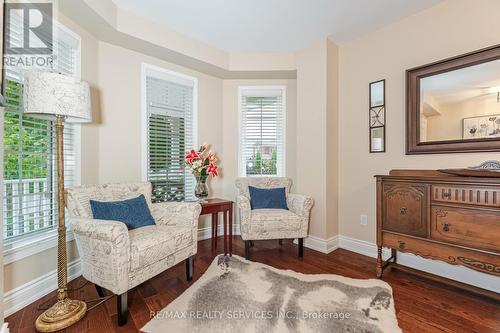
230,135
317,134
451,28
332,141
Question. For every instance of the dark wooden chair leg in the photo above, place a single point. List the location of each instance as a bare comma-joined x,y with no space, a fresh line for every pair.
100,291
189,268
301,247
280,242
121,304
247,250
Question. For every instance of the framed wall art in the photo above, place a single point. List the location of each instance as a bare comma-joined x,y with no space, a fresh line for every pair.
481,127
377,116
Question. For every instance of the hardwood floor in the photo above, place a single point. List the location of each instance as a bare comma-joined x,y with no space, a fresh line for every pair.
422,305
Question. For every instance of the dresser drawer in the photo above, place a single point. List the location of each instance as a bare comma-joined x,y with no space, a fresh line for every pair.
481,261
466,226
479,196
405,208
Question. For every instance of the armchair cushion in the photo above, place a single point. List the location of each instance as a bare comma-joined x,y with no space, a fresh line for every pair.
275,215
267,197
151,244
274,223
133,212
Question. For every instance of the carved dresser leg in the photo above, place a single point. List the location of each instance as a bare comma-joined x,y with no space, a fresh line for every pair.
379,262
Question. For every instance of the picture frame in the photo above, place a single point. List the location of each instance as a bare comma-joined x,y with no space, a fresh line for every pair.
481,127
377,116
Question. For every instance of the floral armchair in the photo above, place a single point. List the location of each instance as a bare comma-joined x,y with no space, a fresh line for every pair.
259,224
119,259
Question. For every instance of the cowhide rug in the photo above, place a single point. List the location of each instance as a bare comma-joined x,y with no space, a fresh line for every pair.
236,295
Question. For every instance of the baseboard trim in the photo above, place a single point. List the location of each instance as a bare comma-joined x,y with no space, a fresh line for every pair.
5,328
206,233
436,267
16,299
320,244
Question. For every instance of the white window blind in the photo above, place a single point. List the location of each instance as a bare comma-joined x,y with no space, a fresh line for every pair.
262,131
170,122
30,204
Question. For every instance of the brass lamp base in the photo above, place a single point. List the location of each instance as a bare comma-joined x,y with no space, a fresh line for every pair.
64,313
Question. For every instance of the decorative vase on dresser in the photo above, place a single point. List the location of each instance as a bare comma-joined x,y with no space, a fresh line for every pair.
437,215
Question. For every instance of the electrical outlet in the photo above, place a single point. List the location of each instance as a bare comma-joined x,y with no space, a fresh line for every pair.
363,220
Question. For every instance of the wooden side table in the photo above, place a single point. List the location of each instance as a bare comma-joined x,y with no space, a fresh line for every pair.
214,207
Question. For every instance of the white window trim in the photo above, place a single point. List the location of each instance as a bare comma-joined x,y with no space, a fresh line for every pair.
240,113
33,244
144,108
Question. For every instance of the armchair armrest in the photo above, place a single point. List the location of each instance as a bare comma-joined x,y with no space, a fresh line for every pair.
243,203
104,249
177,213
300,204
114,232
245,209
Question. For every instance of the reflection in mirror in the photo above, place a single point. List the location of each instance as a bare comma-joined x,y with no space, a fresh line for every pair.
462,104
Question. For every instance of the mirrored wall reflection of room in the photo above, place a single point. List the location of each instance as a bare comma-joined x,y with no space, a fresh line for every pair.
462,104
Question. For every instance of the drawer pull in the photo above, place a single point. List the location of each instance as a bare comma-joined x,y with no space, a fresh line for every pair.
446,227
401,244
446,195
403,210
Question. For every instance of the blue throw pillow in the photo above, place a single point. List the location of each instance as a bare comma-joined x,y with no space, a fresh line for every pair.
133,212
267,198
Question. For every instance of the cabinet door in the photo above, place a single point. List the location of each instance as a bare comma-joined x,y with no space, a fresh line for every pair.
405,208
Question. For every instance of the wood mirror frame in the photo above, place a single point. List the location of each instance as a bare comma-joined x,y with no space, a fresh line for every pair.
413,77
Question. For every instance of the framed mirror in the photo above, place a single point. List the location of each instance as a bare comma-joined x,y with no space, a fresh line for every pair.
454,105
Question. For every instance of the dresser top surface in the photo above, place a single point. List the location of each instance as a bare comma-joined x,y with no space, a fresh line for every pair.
435,176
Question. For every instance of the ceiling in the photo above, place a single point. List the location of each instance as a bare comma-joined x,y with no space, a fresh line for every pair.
273,25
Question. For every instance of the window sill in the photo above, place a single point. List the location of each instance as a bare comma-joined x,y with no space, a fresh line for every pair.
29,246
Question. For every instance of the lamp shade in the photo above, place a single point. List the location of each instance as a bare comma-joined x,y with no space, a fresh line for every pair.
48,94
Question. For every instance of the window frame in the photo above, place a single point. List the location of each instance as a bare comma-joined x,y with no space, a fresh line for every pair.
172,76
241,89
31,244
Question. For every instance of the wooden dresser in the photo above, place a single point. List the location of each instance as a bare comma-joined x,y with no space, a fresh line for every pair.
439,216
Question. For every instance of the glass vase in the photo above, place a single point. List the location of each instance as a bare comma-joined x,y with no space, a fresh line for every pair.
201,188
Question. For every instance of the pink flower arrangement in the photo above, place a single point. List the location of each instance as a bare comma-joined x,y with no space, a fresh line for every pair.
201,162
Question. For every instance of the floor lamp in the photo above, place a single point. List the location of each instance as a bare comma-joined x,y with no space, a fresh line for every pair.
63,98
